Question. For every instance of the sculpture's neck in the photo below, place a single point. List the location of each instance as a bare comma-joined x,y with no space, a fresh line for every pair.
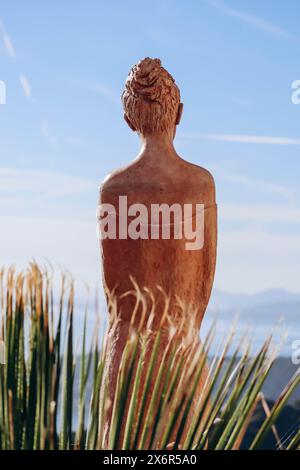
157,144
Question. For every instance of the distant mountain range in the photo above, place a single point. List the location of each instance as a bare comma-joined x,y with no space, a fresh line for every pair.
275,311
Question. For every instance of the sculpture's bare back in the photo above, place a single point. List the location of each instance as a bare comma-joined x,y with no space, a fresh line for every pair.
158,175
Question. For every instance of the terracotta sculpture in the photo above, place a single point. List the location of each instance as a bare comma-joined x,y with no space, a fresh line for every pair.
158,175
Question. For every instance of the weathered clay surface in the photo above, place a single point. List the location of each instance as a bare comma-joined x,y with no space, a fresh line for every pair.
158,175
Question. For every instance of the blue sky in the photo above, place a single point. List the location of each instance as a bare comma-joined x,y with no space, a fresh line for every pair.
61,130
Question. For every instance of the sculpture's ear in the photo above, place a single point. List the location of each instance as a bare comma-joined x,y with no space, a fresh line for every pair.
129,123
179,113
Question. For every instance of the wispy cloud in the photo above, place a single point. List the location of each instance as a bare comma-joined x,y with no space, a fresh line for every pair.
260,213
243,139
99,88
52,139
45,184
255,184
250,19
67,241
8,45
254,259
25,86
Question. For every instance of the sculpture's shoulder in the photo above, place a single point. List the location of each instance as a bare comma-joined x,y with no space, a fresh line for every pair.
119,180
200,180
200,174
164,180
116,178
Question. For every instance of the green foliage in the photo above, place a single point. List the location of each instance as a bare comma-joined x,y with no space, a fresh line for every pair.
156,404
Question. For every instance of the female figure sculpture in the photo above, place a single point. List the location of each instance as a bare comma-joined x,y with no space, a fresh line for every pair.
158,176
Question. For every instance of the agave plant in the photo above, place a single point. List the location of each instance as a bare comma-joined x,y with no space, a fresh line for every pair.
38,386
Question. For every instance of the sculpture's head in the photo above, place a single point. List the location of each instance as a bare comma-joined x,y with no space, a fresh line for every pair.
151,99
